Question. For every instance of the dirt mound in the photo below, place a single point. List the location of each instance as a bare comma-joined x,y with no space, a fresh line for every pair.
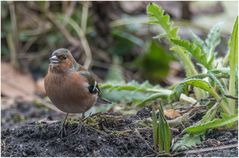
106,134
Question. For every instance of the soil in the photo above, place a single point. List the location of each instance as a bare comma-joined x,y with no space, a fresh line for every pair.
30,130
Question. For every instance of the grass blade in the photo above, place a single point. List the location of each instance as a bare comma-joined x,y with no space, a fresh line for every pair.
233,61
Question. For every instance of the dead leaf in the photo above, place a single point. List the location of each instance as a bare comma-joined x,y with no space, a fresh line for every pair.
171,113
16,84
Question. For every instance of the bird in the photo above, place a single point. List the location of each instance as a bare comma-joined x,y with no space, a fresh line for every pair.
70,86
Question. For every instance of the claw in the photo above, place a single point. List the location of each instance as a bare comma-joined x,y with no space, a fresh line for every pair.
77,129
62,132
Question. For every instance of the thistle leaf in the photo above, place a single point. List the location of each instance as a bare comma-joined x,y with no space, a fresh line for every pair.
153,97
213,39
129,92
202,84
199,128
195,51
218,82
186,142
197,40
156,15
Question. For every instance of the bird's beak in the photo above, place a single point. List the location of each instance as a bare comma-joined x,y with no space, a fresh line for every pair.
54,59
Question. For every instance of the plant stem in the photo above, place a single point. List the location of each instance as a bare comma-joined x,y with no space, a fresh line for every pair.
189,68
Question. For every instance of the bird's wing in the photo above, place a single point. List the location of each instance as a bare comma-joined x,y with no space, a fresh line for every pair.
93,85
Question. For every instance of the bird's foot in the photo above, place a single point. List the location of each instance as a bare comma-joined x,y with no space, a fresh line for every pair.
77,129
62,133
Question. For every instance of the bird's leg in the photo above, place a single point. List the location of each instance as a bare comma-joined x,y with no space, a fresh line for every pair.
79,126
62,132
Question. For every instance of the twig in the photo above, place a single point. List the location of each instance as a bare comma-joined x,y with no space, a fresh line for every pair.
85,8
64,31
185,117
12,38
70,38
231,97
84,42
29,44
211,149
69,11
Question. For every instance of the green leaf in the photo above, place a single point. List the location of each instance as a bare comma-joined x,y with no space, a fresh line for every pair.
129,92
97,109
212,41
198,41
202,84
161,131
154,97
211,113
186,142
233,61
155,56
156,15
164,132
195,51
199,128
218,82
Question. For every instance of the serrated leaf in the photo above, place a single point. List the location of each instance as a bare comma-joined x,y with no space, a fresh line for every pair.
211,113
129,92
194,50
186,142
156,15
212,41
218,82
197,40
211,124
202,84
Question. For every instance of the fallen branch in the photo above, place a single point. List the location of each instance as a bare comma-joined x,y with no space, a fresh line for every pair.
195,151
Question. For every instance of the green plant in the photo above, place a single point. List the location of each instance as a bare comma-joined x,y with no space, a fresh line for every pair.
200,50
215,79
233,58
161,131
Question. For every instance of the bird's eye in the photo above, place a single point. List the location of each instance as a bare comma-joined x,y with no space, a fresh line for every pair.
62,57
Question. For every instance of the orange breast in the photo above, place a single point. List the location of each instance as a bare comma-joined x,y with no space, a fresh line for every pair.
69,92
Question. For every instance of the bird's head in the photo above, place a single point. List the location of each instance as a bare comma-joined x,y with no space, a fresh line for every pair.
62,60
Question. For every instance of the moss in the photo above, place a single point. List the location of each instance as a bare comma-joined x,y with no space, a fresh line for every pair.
73,121
40,105
143,123
19,118
93,121
41,127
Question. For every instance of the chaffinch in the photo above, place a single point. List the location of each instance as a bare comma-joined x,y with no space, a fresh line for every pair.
70,87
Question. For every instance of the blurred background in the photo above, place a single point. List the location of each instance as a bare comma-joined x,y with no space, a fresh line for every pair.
112,39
